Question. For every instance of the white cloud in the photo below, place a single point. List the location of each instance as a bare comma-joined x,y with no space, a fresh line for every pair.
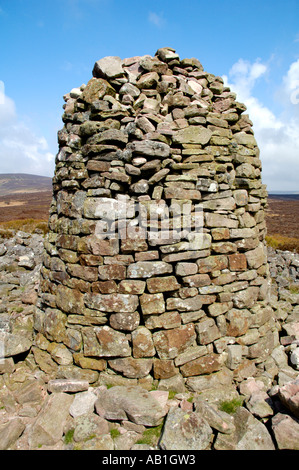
277,135
156,19
291,83
21,150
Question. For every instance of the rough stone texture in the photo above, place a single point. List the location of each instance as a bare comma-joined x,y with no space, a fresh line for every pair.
133,403
289,395
185,431
250,434
48,427
127,298
157,221
268,389
10,432
286,432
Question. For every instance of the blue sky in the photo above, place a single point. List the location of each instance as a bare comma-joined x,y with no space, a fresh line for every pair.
49,47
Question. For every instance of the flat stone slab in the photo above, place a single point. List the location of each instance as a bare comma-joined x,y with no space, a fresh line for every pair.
13,344
67,385
131,403
193,135
49,425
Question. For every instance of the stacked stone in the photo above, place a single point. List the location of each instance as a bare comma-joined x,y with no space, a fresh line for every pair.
119,300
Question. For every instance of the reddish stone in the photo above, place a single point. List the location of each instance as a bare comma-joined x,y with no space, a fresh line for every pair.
133,286
237,262
133,244
198,280
124,321
104,287
152,304
124,260
131,367
147,256
203,365
164,369
105,247
220,233
212,263
112,271
98,165
86,273
91,260
171,343
142,342
162,284
166,320
237,322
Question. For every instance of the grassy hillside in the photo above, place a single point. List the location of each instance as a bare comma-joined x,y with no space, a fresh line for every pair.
14,183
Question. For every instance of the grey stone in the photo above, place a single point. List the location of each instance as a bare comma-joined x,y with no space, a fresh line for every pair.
48,427
131,367
13,344
67,385
286,431
145,269
217,419
108,67
10,432
132,403
192,135
150,148
88,425
83,403
185,431
250,434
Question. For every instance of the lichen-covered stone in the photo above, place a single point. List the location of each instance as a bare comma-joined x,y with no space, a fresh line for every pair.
170,343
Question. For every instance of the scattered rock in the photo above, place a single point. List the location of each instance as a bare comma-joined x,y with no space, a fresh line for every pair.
133,403
286,431
185,431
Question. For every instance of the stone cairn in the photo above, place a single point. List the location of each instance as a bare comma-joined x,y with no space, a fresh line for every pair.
155,268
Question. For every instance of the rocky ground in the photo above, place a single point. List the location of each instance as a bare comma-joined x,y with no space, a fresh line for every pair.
38,411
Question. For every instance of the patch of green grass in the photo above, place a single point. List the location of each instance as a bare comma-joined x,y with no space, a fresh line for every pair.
294,289
280,242
114,433
8,229
171,394
231,406
19,309
68,438
151,435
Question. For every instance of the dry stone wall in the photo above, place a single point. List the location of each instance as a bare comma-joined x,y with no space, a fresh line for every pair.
155,267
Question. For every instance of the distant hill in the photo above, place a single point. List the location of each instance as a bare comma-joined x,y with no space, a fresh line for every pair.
14,183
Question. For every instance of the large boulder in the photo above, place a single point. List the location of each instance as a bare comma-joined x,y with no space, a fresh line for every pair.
133,403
